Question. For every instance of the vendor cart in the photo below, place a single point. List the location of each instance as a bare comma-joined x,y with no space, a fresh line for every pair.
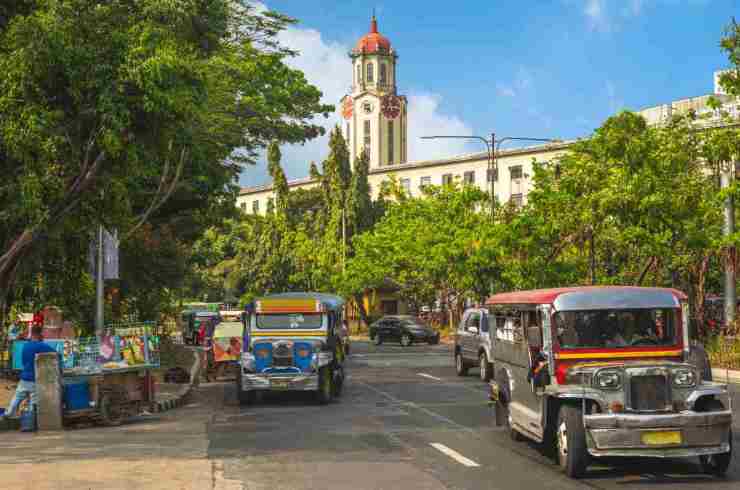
108,379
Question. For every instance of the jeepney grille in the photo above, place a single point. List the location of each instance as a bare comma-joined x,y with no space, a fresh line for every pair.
649,392
282,356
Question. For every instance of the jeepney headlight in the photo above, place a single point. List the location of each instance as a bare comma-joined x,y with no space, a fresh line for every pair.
684,378
609,380
248,361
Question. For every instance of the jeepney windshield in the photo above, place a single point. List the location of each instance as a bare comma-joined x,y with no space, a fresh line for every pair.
616,328
290,320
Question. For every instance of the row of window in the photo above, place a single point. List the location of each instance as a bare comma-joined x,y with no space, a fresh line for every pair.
370,73
468,178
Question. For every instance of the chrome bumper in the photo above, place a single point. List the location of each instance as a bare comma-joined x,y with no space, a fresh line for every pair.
281,382
622,434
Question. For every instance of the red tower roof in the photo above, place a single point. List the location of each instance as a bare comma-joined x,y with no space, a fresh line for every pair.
373,41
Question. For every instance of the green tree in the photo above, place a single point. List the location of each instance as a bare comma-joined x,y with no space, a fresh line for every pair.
108,111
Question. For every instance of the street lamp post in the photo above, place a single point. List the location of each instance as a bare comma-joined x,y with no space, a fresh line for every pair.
492,148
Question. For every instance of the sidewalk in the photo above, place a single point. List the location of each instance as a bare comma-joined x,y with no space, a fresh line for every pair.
721,375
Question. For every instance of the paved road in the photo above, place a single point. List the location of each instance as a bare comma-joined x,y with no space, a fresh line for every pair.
404,421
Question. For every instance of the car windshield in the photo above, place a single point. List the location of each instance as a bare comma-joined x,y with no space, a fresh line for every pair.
290,320
615,328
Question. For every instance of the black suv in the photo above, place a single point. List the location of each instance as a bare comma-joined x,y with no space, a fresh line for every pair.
404,328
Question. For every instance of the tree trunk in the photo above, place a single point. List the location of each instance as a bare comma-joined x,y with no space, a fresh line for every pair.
361,308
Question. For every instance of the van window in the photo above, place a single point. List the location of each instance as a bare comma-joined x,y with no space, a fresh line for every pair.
509,326
473,320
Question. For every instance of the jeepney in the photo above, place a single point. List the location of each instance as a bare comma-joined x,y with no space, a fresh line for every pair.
292,343
595,372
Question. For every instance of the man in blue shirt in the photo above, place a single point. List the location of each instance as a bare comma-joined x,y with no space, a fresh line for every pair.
27,385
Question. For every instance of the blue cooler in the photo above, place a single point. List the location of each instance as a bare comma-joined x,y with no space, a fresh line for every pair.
76,395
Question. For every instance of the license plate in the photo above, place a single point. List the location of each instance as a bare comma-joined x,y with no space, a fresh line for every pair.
661,438
279,384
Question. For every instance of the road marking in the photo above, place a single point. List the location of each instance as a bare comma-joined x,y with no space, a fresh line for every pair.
454,455
429,376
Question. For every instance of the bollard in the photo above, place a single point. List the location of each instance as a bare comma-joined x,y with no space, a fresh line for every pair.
48,391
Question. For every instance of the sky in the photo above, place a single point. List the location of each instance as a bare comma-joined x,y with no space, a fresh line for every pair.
543,69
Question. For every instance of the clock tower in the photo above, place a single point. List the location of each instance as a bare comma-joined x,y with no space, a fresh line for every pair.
374,115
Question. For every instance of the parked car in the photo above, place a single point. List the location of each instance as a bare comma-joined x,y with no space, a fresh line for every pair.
473,344
405,329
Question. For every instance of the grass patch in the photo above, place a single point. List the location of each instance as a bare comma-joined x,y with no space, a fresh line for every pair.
724,352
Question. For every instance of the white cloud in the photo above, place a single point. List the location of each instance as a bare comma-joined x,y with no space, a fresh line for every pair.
425,119
327,66
505,90
605,16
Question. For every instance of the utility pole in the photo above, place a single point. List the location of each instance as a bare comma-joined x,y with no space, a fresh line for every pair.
99,286
726,176
494,172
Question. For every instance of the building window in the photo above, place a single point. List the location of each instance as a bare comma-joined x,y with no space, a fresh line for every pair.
370,73
270,203
406,185
447,179
516,200
403,139
516,172
425,181
469,177
244,206
492,172
359,74
366,126
383,74
255,207
390,141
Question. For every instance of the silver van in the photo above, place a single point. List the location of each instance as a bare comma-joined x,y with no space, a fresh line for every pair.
473,344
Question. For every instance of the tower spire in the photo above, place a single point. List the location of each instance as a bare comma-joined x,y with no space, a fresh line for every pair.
374,23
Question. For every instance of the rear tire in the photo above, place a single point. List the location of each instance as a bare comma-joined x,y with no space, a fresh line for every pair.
715,464
460,367
406,339
377,339
486,369
571,442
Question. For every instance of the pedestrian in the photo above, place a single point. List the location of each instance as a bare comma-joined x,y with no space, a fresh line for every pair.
27,385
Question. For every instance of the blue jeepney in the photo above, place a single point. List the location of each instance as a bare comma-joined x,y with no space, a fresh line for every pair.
292,342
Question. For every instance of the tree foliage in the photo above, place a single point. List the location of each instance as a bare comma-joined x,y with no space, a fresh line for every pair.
127,113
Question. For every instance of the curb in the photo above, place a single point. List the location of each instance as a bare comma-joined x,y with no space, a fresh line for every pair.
182,395
721,375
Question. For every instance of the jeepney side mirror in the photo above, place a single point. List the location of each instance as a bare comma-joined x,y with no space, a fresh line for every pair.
534,337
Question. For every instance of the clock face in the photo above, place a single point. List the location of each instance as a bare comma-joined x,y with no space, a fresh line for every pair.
367,107
347,107
390,105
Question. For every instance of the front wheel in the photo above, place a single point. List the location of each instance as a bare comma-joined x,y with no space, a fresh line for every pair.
406,339
571,442
716,464
486,370
325,386
460,368
377,339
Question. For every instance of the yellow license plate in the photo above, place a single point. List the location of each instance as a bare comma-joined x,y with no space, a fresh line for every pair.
661,438
279,384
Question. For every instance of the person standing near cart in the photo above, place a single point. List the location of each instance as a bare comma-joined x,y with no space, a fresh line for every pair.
27,384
